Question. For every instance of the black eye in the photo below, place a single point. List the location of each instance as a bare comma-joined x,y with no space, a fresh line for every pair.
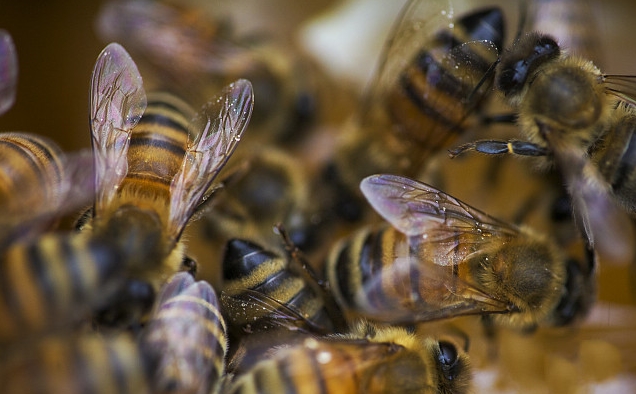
526,55
447,354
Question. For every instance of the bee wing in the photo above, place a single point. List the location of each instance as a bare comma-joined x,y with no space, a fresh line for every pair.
186,337
177,42
218,129
8,71
417,209
621,86
273,313
607,227
411,288
117,102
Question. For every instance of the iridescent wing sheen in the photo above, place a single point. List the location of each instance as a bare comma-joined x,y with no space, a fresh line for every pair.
429,216
217,128
8,71
117,102
606,226
273,314
186,337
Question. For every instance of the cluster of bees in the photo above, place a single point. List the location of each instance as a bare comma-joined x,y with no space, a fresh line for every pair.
350,269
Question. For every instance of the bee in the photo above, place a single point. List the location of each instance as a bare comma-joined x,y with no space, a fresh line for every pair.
186,338
261,286
52,281
75,363
369,359
152,172
194,53
8,71
433,76
270,188
577,118
442,258
39,184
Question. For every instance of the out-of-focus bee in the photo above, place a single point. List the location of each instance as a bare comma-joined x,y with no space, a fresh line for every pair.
369,359
442,258
270,188
38,184
186,340
433,75
194,54
153,171
571,22
263,290
53,281
8,71
579,119
75,363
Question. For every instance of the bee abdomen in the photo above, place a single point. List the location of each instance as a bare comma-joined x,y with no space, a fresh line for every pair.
81,364
247,266
159,141
433,90
28,159
49,280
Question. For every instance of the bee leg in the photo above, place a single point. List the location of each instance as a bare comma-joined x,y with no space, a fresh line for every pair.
499,147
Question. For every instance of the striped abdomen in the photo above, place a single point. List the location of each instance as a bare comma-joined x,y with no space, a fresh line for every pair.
380,272
51,280
157,146
75,364
249,267
352,365
30,170
437,90
186,341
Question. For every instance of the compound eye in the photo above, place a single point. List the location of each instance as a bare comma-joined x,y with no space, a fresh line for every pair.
447,353
523,59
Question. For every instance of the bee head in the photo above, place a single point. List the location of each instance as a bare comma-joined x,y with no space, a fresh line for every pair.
526,55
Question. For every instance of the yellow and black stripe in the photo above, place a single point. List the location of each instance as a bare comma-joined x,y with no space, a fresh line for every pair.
249,267
30,168
75,364
434,96
157,145
50,280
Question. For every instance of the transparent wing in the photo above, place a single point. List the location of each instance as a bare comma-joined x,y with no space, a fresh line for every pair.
8,71
218,129
607,227
179,41
417,209
621,86
186,337
272,313
412,288
117,101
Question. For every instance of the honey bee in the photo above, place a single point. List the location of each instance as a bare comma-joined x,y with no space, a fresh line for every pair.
53,281
193,54
442,258
186,338
152,172
433,76
270,188
75,363
8,71
39,184
577,118
369,359
263,290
